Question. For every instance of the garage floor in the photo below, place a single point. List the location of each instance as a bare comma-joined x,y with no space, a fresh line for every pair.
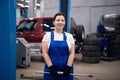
105,70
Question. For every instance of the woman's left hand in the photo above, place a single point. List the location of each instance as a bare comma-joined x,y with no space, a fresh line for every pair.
66,71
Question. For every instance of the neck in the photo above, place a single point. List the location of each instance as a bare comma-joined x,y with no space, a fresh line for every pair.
58,31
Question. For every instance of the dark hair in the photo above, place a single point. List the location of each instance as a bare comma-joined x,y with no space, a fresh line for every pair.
58,14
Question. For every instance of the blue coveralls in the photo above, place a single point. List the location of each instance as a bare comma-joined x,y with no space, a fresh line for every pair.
59,53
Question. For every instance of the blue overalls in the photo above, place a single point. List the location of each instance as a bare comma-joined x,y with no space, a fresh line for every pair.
59,53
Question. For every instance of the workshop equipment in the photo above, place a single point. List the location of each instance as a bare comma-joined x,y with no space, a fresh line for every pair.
23,53
36,76
42,72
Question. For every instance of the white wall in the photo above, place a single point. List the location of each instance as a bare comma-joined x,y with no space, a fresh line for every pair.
51,7
18,16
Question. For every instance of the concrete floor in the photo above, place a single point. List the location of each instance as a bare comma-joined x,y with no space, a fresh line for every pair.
105,70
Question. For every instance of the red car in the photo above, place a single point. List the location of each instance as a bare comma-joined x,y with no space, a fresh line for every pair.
33,29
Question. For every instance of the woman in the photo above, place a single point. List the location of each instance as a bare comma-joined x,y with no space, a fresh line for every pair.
58,51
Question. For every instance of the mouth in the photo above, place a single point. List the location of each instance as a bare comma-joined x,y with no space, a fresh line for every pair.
60,25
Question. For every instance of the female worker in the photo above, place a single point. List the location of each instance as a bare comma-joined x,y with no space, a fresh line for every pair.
58,51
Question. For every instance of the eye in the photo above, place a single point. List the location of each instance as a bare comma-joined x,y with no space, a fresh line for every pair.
63,20
58,20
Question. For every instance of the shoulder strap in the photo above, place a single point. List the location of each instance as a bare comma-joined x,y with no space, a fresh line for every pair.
64,35
52,35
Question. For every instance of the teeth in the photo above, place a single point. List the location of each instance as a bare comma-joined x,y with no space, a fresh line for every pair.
60,25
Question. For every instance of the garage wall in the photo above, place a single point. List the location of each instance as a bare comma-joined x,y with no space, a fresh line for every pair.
86,12
18,16
51,7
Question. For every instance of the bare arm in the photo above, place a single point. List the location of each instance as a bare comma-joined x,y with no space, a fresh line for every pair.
45,53
71,56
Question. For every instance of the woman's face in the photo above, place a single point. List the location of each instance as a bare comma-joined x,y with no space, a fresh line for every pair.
59,22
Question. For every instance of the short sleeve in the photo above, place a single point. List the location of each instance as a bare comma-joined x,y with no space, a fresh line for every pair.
72,41
70,38
46,37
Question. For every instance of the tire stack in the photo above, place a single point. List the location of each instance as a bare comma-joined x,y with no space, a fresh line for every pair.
91,50
114,49
114,45
113,36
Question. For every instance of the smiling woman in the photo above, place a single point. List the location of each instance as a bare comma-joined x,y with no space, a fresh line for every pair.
58,51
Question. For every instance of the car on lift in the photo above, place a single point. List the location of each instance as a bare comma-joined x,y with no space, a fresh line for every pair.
33,29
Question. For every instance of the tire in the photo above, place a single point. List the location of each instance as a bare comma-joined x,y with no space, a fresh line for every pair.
114,53
114,47
91,53
73,27
90,41
117,27
117,32
112,36
78,33
91,59
78,47
92,35
118,37
72,23
114,42
90,48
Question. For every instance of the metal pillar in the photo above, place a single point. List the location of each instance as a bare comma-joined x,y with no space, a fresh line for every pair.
8,40
64,6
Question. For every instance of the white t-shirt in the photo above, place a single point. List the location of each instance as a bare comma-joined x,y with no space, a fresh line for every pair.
59,37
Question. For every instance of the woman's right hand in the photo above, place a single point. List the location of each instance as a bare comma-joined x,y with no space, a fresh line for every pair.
53,70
